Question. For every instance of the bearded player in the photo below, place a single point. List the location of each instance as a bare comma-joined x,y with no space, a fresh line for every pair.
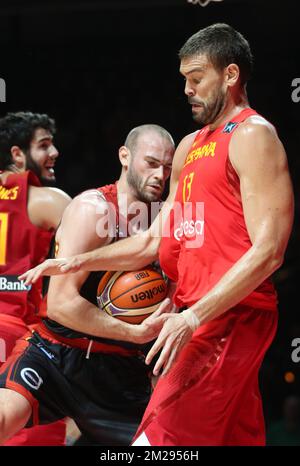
92,362
29,216
235,171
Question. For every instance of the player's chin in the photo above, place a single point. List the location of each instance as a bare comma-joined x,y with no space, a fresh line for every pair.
198,117
48,180
153,195
153,198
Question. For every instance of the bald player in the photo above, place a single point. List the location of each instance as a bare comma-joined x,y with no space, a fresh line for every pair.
80,362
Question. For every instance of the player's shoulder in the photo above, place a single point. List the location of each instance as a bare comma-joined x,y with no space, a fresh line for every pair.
90,194
88,203
45,206
182,151
89,198
255,126
48,192
187,140
254,142
56,193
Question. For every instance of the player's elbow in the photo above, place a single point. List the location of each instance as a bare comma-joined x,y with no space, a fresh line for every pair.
276,260
271,255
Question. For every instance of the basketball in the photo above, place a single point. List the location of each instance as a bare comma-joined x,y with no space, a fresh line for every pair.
132,296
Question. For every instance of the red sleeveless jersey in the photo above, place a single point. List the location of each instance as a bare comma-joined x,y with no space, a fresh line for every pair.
22,246
110,194
208,234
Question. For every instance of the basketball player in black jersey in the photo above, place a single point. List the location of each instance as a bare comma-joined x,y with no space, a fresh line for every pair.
81,362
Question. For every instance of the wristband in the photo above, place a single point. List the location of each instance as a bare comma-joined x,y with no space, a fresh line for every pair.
191,319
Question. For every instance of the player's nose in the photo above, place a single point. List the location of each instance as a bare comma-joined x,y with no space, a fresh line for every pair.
188,90
53,152
159,173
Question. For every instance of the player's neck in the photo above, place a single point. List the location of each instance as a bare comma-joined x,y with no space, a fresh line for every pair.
126,198
235,104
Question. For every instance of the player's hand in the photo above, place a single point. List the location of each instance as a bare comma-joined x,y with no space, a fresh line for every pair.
150,327
51,267
174,335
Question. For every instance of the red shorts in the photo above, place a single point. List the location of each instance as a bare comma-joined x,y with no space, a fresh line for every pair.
211,396
11,329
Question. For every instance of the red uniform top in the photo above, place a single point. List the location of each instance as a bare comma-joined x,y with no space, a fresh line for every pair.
22,246
208,233
89,288
88,291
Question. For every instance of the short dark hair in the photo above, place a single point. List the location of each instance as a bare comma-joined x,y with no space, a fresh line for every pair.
222,45
17,129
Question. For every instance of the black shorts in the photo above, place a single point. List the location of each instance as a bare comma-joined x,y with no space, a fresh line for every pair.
106,394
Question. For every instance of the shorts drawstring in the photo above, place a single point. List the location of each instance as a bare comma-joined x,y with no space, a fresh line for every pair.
89,349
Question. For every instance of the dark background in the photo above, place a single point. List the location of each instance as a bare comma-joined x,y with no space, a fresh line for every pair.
102,67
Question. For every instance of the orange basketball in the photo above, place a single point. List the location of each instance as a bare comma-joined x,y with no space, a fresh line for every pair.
132,296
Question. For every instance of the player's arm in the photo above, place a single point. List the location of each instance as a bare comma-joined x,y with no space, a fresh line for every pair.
138,251
46,206
82,229
260,161
128,254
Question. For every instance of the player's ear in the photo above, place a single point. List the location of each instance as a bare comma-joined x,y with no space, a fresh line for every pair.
19,158
124,156
232,74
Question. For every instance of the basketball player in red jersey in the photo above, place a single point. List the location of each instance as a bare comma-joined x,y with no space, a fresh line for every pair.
29,214
235,171
93,363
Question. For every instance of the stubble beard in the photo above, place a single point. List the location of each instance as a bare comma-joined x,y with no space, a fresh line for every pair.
36,169
137,185
211,110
